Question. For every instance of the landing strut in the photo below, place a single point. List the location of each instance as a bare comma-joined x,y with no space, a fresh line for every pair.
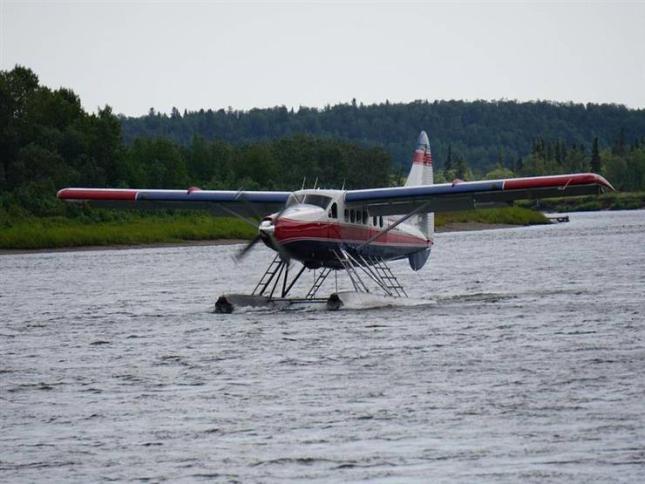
275,284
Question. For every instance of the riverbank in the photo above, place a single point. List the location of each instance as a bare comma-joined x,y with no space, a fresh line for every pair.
507,216
60,233
606,201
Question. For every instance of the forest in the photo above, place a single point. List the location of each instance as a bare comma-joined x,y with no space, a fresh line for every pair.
48,141
484,133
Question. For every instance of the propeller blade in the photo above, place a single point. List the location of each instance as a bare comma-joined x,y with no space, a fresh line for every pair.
277,245
274,242
245,250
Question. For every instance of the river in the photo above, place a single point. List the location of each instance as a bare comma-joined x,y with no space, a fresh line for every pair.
526,362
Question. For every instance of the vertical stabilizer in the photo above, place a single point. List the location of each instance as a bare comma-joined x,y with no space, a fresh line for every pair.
421,170
421,174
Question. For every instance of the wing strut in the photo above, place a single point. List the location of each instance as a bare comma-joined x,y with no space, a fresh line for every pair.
420,208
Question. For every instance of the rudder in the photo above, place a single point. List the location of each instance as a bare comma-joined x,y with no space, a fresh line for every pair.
421,174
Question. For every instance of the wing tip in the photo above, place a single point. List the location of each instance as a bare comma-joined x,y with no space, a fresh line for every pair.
90,194
561,181
603,182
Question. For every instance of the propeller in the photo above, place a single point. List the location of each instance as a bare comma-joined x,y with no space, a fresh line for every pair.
241,254
265,231
267,228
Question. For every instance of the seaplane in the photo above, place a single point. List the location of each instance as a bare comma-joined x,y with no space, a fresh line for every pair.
357,232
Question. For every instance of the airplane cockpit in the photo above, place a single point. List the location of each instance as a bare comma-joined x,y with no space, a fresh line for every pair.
327,200
321,201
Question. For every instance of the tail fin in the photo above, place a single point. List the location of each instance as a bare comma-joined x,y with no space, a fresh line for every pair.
421,174
421,171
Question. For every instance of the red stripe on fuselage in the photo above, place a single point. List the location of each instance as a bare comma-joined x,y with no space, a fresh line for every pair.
291,230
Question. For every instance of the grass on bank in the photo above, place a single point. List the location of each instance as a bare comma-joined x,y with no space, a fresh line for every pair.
56,232
495,216
104,228
606,201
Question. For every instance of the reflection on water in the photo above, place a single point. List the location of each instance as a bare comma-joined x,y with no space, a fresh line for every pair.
528,364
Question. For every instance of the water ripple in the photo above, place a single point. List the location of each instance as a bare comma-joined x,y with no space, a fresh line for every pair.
523,362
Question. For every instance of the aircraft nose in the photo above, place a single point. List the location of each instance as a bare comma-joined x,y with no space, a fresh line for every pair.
267,231
267,227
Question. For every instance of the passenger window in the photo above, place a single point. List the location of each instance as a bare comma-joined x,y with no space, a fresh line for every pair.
333,212
374,220
351,216
346,215
380,221
365,217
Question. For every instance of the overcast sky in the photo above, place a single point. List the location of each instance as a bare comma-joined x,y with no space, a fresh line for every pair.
137,55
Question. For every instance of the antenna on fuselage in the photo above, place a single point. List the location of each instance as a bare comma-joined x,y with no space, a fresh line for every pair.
343,187
304,180
316,183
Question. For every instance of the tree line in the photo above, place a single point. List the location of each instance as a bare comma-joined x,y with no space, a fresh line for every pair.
48,141
478,131
622,163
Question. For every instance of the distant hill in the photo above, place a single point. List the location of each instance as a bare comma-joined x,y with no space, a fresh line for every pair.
482,132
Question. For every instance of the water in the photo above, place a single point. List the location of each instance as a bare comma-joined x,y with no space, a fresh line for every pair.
526,364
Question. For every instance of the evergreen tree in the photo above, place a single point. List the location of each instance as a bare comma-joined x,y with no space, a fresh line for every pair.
460,168
558,152
519,164
619,145
595,157
448,165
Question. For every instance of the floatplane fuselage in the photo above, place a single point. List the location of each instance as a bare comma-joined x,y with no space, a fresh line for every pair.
316,225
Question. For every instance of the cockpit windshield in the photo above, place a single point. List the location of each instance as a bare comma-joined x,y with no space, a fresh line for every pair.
321,201
294,200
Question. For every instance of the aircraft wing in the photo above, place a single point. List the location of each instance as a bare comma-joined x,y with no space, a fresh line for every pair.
449,197
218,202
